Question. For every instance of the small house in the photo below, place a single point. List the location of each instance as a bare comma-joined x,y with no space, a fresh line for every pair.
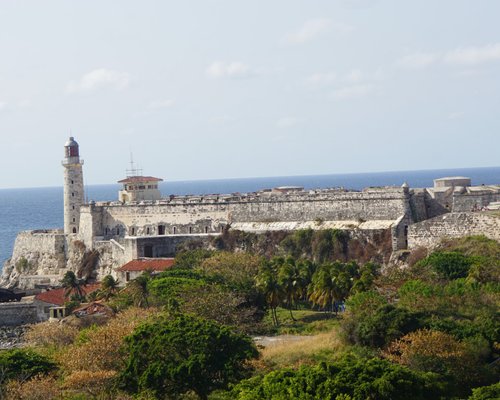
135,268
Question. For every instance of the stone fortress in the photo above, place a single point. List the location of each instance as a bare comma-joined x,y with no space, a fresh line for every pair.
142,224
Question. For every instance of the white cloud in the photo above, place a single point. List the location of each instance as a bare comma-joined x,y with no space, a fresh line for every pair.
99,79
221,120
328,78
288,122
235,69
3,105
321,79
352,91
354,76
155,105
417,60
313,28
473,55
455,115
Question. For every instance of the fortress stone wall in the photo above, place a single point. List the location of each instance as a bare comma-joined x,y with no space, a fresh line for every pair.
453,225
476,198
210,214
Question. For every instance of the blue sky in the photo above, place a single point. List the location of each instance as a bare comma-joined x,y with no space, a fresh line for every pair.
230,88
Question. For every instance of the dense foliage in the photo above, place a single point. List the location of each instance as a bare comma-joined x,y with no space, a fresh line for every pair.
430,330
347,379
175,355
23,364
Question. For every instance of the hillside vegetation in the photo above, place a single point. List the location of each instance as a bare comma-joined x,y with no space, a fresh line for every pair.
327,325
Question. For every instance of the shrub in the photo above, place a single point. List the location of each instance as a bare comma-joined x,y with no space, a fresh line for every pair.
172,356
24,364
347,379
491,392
450,265
439,352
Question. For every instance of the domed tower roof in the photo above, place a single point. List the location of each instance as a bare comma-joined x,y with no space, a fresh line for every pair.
71,142
71,151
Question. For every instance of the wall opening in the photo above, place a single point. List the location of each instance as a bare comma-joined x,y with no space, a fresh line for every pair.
175,230
74,230
206,229
161,229
148,251
190,229
132,233
147,231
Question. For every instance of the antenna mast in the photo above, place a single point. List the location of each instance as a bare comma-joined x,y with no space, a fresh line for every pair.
133,171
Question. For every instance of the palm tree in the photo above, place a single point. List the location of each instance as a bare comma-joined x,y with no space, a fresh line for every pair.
267,283
292,282
109,287
138,289
324,289
72,285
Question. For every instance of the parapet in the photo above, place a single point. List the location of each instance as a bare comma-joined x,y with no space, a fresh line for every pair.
452,181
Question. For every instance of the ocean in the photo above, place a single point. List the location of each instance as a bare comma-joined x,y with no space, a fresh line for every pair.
42,208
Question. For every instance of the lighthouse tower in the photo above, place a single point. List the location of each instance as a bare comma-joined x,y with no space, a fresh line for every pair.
73,186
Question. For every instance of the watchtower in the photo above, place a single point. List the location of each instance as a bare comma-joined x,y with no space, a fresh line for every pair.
73,186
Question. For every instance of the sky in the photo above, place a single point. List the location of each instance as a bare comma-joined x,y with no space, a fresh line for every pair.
210,89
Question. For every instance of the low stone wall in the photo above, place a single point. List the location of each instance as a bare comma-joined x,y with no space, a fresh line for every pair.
14,314
429,233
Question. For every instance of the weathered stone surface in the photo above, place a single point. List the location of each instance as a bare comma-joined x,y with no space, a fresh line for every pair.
429,233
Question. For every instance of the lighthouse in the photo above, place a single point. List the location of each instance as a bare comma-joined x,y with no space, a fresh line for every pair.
73,186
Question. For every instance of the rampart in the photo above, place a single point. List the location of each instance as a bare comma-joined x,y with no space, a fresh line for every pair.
476,198
210,214
50,242
452,225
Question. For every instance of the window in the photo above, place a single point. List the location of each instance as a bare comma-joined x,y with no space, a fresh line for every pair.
72,194
73,207
175,230
74,219
127,276
147,231
190,229
133,232
148,251
74,230
72,182
161,229
206,229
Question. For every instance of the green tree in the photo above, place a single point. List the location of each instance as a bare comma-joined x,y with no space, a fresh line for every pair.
172,356
267,282
109,287
72,286
23,364
292,281
328,285
139,291
491,392
347,379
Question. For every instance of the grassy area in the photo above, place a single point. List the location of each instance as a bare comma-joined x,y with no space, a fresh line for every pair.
293,351
308,322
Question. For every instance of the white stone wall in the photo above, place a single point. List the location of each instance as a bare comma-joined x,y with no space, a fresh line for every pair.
453,225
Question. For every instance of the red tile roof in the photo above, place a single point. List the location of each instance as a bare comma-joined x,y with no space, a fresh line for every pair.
57,297
140,179
145,264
